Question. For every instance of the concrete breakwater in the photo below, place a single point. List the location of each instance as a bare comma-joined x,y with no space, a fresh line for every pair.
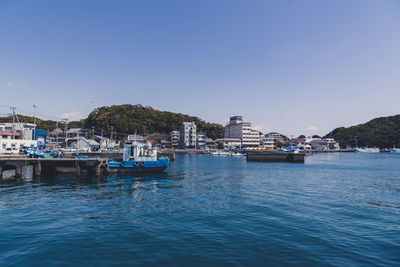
275,156
33,167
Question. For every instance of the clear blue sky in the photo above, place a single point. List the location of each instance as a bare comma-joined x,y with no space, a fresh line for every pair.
297,67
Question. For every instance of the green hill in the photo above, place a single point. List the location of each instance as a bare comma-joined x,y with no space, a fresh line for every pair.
129,119
381,132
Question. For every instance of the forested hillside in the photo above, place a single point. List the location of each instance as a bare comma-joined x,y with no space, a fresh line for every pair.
144,120
381,132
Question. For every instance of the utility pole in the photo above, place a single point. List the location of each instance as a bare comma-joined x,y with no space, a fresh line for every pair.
111,136
13,125
34,122
56,132
66,129
77,144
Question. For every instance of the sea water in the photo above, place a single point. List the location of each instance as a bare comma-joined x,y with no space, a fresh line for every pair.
335,209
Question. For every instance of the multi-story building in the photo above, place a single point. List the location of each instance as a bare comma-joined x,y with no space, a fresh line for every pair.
201,140
270,140
174,138
26,130
237,129
15,136
187,134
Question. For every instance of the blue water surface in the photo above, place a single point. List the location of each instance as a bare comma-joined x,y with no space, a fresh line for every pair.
335,209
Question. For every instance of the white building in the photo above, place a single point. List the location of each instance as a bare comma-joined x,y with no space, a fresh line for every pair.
228,143
201,141
188,135
106,143
25,129
270,140
15,136
237,129
82,144
14,145
135,137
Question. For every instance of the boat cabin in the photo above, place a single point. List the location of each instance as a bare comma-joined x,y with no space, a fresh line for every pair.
134,151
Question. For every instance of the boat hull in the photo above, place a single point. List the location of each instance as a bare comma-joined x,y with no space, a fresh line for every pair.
138,167
137,170
367,150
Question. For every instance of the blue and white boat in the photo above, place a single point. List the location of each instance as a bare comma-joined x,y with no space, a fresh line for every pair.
139,158
367,150
395,150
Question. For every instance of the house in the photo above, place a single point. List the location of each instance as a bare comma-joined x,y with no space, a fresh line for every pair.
85,145
324,144
297,142
228,143
210,143
134,137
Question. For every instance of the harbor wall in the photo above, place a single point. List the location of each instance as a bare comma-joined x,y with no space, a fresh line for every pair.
275,156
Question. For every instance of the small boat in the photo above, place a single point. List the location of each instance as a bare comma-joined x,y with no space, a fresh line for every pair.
367,150
395,150
384,150
236,154
139,158
220,153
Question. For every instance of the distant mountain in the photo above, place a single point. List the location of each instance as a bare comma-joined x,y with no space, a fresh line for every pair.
381,132
130,119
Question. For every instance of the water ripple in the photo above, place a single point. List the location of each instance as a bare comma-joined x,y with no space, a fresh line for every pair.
341,209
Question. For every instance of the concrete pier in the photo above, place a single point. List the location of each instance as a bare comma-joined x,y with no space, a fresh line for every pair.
275,156
58,165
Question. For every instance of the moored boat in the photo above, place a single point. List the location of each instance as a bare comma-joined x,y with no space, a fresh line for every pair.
367,150
236,154
139,158
220,153
395,150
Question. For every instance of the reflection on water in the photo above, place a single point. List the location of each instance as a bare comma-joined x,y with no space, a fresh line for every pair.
337,209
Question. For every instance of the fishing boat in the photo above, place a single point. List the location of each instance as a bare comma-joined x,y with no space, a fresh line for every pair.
139,158
367,150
